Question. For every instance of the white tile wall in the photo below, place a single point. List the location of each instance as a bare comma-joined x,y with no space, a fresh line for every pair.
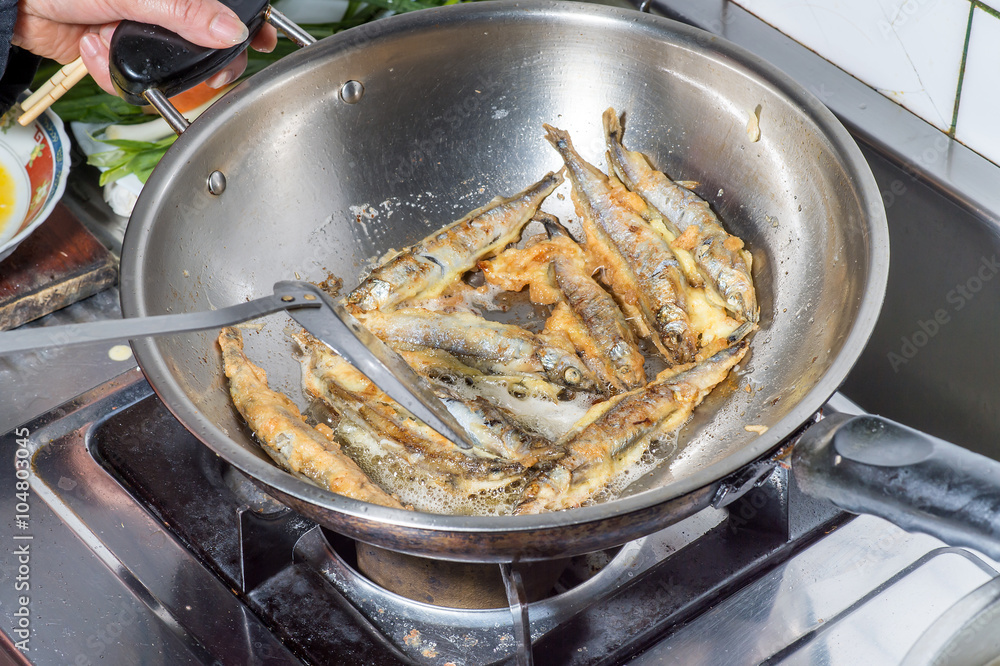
924,54
909,50
979,110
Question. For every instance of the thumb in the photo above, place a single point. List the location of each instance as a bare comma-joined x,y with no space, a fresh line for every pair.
207,23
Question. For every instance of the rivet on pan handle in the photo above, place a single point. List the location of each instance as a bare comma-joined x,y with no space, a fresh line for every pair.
150,64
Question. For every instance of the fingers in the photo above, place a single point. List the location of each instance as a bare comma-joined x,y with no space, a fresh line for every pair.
57,41
266,39
204,22
230,73
94,52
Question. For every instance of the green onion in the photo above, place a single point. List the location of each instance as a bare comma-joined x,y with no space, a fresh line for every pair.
138,157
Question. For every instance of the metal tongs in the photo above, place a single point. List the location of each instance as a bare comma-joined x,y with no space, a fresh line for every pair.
307,304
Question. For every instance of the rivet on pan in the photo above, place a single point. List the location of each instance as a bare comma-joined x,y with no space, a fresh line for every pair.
352,92
217,183
309,297
287,299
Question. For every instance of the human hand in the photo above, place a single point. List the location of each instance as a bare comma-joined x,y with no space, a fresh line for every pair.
64,29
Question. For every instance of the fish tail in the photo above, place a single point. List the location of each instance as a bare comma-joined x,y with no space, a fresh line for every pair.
558,138
612,126
617,159
553,227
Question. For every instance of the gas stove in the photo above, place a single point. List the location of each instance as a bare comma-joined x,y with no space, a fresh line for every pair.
130,542
139,545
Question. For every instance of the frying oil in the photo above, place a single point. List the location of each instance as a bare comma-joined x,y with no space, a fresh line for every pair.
642,457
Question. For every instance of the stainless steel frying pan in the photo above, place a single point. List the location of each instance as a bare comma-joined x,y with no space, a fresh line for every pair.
370,139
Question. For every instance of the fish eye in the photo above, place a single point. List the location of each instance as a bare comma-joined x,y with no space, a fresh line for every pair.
572,376
519,391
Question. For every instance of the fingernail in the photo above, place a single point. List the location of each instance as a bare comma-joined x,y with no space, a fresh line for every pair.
90,45
223,78
106,32
228,28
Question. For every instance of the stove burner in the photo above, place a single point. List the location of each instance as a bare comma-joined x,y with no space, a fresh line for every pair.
453,584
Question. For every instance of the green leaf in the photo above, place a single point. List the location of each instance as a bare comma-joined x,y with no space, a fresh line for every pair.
111,175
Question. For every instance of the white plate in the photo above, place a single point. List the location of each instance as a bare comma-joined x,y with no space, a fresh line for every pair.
37,154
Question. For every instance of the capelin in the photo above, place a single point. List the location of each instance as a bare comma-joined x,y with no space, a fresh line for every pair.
720,260
426,269
713,370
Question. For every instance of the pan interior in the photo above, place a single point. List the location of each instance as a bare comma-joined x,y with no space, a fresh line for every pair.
451,116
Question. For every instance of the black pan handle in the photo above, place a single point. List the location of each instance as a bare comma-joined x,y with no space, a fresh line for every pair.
869,464
147,57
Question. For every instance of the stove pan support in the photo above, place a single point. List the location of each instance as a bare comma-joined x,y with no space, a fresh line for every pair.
518,600
267,531
266,544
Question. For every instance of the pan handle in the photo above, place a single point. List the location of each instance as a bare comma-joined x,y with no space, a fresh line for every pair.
869,464
149,63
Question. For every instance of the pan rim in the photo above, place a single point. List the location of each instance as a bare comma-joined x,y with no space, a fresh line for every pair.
163,383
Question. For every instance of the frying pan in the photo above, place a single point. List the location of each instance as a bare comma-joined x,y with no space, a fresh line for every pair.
370,139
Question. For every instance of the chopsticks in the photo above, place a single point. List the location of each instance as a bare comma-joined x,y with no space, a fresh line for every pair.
51,90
